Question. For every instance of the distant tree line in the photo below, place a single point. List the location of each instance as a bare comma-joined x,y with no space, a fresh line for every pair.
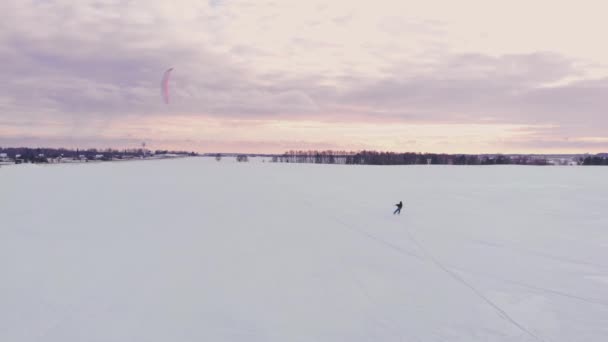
409,158
242,158
595,160
43,155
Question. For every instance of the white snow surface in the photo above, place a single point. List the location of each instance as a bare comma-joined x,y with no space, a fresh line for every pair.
199,250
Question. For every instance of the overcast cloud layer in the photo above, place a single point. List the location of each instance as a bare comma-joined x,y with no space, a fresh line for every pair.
266,76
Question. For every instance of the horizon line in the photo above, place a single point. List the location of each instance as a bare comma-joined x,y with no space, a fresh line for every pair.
302,150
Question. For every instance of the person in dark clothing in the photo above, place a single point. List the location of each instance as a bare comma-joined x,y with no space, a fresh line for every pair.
399,206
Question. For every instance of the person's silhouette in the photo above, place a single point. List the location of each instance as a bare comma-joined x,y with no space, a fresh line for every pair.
399,206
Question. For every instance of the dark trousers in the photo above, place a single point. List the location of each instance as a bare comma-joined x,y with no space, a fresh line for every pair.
397,211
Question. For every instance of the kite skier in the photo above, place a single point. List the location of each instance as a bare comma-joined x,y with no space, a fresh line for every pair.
398,210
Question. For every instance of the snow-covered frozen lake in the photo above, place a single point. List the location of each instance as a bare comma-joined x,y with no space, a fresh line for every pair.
199,250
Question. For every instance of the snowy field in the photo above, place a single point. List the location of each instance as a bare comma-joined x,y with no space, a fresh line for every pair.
199,250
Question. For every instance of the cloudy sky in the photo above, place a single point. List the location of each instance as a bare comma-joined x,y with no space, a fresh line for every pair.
471,76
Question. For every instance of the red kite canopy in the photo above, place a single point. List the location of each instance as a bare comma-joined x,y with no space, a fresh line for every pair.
164,85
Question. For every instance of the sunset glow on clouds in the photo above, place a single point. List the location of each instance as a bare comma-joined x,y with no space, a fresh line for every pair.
268,76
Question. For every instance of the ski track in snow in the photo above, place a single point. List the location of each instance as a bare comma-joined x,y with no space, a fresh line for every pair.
502,313
449,270
456,277
540,254
595,301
